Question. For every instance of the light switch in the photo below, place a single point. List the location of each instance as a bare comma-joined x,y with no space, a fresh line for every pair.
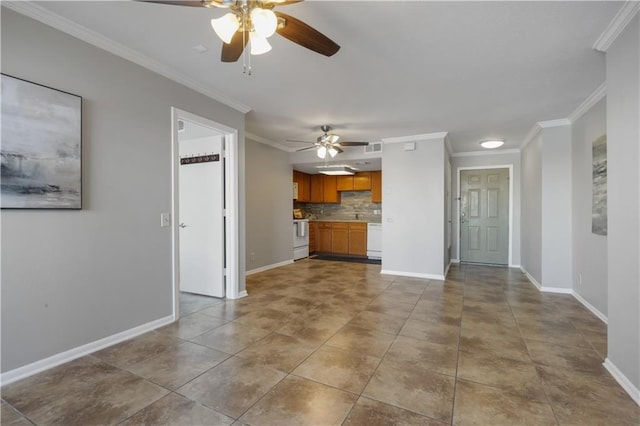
165,220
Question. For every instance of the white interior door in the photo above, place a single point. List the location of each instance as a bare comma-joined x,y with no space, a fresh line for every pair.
201,216
484,216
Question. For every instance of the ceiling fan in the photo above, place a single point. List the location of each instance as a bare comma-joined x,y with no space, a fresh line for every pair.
328,143
254,21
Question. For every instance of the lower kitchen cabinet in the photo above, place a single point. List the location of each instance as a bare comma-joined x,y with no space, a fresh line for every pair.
358,239
346,238
340,238
324,237
313,235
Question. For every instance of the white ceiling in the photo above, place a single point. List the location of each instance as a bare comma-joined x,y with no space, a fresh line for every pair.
473,69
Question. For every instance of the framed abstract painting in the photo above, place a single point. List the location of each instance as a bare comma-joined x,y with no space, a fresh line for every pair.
41,149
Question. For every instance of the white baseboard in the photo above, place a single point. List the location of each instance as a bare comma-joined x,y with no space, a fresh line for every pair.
66,356
267,267
531,279
590,307
622,380
446,270
413,275
455,260
242,294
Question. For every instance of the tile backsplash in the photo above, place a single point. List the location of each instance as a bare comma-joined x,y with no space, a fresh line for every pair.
352,203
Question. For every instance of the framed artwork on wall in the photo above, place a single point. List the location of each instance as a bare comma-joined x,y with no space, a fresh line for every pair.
41,150
599,186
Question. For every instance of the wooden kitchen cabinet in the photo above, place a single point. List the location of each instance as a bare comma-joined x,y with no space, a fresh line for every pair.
324,237
313,235
362,181
330,189
376,186
304,191
316,188
345,183
358,239
340,238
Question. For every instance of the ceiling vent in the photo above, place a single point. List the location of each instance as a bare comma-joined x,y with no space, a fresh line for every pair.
180,126
373,148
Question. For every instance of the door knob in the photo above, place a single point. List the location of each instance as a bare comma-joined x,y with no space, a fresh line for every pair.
182,225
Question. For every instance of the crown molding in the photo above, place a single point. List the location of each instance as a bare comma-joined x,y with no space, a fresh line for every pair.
416,138
487,152
617,25
269,142
554,123
588,103
65,25
535,130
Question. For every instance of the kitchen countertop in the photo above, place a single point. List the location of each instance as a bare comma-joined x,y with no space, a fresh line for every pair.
344,220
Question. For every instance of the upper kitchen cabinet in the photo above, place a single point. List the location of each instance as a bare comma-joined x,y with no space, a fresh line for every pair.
330,189
304,188
361,181
376,186
317,188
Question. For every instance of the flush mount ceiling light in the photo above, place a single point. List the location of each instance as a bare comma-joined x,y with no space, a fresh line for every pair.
252,22
491,144
337,171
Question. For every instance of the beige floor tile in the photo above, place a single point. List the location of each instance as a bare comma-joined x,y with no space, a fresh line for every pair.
413,389
175,409
297,401
444,334
569,357
137,349
423,354
231,337
370,342
233,386
190,326
482,405
377,321
343,369
178,365
278,351
267,319
509,375
368,412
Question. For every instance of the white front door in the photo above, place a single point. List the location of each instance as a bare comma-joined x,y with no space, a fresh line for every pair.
201,215
484,216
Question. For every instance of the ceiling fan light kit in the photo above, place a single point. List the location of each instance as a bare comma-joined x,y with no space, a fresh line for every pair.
328,143
253,21
492,143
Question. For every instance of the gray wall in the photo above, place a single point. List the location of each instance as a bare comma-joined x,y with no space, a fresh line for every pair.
589,249
497,159
531,218
269,206
413,194
72,277
556,207
623,182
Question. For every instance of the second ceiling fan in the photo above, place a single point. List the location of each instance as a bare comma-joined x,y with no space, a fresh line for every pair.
328,143
254,21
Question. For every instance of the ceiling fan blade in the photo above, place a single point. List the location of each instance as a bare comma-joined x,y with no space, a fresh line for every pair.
353,143
192,3
304,149
231,52
337,148
302,34
282,2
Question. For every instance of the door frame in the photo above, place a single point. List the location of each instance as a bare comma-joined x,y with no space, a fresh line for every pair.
458,199
231,200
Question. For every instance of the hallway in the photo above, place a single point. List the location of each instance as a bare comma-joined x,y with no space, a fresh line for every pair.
322,342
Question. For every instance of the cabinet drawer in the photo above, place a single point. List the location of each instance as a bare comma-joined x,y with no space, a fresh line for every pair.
358,226
324,225
340,225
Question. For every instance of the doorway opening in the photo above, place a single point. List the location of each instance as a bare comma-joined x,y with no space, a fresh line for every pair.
485,215
205,212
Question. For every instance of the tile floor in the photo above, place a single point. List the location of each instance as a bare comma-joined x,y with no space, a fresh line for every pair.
329,343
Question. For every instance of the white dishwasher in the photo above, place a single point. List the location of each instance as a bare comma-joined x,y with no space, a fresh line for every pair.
374,240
